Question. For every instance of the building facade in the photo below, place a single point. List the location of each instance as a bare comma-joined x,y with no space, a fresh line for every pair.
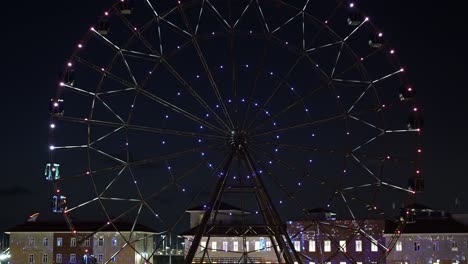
52,242
431,236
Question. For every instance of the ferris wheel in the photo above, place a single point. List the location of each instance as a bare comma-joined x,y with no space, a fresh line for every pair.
276,107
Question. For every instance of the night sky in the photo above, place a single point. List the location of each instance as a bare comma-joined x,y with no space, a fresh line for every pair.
39,36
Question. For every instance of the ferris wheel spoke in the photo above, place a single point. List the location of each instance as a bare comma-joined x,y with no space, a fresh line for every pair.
242,14
306,124
324,46
105,73
109,185
142,162
180,111
265,24
163,18
218,16
174,72
337,60
287,22
275,90
366,123
110,109
208,72
138,128
76,89
359,98
367,142
81,205
107,155
367,169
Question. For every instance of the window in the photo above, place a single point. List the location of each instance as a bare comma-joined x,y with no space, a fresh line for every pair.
327,246
297,245
202,245
58,258
235,246
342,262
31,242
257,245
114,241
454,246
247,246
100,258
101,242
114,259
311,262
435,245
73,242
311,245
225,246
87,242
374,247
59,242
358,262
72,258
31,258
358,245
45,242
399,246
214,246
268,246
45,258
343,245
417,245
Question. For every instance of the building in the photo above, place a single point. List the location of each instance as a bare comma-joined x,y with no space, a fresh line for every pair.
431,236
323,239
53,242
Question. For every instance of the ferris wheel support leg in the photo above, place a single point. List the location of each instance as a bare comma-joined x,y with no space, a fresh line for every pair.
271,216
214,203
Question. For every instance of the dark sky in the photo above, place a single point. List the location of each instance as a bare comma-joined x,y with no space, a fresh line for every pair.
38,37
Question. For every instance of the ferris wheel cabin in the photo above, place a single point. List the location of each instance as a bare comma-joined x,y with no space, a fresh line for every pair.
56,107
103,27
377,41
52,172
415,121
125,7
59,203
355,18
406,93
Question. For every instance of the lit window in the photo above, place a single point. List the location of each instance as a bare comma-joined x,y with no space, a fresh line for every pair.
435,245
399,246
45,242
374,247
268,246
72,258
45,258
214,246
58,258
343,245
257,245
31,242
247,246
202,245
101,242
311,245
454,246
59,242
225,246
311,262
114,259
358,245
358,262
342,262
235,246
327,246
417,245
73,242
297,245
31,258
114,241
87,242
100,258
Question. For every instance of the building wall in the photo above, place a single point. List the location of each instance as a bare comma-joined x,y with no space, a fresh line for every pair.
433,248
305,233
20,247
67,248
114,246
263,254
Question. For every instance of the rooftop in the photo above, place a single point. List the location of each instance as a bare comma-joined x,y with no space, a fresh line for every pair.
82,226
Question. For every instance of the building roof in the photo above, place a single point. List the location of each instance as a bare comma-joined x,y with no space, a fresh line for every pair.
430,226
82,226
222,207
232,230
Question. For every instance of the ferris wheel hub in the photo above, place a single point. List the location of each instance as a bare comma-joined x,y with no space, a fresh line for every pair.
238,139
